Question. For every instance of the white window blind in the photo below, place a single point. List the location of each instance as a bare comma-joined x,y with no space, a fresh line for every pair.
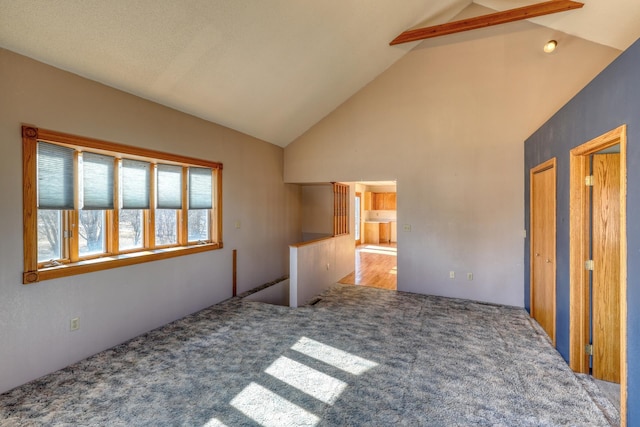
200,188
135,184
169,186
97,181
55,176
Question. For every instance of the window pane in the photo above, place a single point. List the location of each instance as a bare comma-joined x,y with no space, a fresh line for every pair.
198,225
135,184
97,181
55,176
200,188
131,229
166,230
49,235
169,187
91,238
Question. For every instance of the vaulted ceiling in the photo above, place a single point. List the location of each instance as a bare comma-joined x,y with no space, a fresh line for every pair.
268,68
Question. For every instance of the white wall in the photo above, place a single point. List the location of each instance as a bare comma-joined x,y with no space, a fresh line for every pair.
121,303
448,122
317,265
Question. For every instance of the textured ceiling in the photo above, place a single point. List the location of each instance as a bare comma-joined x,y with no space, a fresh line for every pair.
270,69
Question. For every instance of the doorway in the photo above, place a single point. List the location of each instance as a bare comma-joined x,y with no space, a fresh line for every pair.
598,260
375,212
543,246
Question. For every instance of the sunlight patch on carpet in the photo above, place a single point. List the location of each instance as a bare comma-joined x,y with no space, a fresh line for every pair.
308,380
214,422
269,409
332,356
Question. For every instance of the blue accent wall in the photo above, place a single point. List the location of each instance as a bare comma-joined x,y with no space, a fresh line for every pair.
610,100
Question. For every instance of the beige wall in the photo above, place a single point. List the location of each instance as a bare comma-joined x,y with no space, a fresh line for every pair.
448,122
317,211
118,304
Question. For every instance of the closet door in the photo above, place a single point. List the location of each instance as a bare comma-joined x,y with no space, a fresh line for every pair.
543,246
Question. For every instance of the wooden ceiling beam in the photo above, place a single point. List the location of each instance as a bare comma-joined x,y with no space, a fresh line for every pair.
497,18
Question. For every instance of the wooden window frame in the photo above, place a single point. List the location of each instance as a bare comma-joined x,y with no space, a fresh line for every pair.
71,263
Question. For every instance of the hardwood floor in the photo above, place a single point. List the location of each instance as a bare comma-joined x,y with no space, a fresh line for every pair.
376,266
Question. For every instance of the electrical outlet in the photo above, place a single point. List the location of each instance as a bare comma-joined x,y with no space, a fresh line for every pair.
74,324
452,275
469,276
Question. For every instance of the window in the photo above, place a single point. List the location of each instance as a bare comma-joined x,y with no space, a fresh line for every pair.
90,205
340,209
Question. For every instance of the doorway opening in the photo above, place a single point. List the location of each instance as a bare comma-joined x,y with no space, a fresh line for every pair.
598,261
376,234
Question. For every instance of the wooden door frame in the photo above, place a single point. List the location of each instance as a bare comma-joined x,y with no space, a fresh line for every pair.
359,194
579,252
549,164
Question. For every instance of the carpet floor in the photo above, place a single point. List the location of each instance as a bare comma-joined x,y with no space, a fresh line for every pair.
359,357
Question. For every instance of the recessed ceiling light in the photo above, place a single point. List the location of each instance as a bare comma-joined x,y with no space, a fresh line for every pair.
550,46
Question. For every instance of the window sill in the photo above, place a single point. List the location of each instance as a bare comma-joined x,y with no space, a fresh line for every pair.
105,263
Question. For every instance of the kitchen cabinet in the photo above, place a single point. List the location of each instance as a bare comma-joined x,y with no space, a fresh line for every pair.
377,232
394,232
371,232
368,201
384,233
382,201
390,201
378,201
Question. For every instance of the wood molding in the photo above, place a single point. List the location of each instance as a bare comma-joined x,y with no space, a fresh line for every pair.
578,252
311,242
70,262
29,202
81,142
105,263
491,19
542,167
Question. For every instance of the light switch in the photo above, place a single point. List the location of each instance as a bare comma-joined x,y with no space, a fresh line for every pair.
406,227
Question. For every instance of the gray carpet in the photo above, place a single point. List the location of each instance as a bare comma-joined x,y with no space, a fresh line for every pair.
359,357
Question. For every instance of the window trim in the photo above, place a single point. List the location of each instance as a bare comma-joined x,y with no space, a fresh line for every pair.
33,272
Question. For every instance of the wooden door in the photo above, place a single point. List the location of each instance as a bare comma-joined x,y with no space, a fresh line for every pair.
543,246
605,246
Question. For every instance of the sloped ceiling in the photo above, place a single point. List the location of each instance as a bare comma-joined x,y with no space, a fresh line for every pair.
270,69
